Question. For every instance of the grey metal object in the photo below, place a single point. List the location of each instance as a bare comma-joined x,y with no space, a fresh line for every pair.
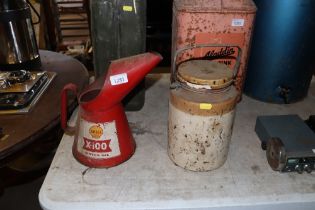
290,143
118,29
18,47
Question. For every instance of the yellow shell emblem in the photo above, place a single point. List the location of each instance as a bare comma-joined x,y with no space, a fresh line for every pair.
96,131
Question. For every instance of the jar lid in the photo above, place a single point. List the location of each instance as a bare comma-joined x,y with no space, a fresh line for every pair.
205,74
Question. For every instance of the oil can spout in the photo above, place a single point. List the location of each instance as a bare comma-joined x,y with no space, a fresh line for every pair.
122,76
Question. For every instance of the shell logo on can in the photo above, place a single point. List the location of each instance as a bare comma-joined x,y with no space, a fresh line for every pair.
96,131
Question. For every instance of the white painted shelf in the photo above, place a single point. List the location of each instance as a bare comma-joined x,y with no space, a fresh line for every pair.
149,180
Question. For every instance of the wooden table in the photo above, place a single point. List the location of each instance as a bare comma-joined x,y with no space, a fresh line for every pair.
26,129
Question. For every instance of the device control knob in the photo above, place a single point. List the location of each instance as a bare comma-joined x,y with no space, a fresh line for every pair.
298,169
276,154
307,168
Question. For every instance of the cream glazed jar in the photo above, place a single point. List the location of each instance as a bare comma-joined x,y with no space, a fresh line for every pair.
201,115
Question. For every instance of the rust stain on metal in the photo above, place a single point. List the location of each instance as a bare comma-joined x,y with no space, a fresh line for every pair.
203,151
206,19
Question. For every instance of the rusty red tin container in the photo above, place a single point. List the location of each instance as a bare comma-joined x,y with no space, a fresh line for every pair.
222,22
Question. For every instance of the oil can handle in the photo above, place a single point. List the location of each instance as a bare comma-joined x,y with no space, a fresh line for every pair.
177,52
64,101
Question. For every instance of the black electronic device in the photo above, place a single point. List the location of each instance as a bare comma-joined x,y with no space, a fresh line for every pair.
18,46
289,142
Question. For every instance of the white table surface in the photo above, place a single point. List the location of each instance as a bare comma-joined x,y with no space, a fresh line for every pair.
149,180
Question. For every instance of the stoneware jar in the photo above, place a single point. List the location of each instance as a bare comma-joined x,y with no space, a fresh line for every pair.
201,114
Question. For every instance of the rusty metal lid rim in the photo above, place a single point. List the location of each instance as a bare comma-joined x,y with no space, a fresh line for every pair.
205,86
205,74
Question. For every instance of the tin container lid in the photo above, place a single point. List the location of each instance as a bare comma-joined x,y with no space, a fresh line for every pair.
215,5
205,74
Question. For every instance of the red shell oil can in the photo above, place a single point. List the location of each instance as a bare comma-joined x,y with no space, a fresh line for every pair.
201,113
225,22
102,135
